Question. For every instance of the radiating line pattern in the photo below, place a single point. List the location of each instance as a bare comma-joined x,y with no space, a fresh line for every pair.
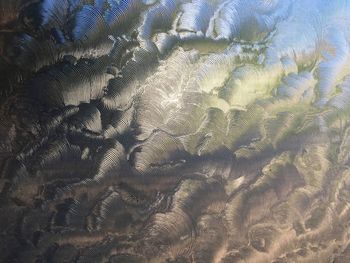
175,131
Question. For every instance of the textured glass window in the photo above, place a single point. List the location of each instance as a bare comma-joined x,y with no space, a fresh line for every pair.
190,131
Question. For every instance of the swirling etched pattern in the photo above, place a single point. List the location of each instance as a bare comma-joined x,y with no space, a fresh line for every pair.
175,131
